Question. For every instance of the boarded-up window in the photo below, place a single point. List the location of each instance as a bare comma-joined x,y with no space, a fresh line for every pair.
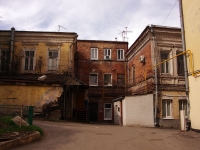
93,81
120,79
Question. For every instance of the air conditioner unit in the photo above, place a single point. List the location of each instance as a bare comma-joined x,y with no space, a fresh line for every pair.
142,59
107,57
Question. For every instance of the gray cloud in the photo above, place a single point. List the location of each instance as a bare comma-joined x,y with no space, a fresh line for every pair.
91,19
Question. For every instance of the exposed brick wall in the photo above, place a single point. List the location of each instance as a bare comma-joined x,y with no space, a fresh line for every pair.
84,66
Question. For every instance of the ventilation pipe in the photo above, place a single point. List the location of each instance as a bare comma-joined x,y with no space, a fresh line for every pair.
11,48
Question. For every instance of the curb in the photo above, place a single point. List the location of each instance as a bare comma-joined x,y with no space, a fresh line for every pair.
16,142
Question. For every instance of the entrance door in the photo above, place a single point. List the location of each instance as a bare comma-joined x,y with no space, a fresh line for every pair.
93,112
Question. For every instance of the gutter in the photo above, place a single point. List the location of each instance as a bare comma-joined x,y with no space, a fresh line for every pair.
184,59
156,79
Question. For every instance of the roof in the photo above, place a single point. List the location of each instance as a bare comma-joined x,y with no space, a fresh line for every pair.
79,40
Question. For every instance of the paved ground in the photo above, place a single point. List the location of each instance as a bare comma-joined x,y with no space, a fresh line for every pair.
76,136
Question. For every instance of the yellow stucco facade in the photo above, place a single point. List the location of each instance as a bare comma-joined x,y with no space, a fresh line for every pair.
14,90
191,17
28,95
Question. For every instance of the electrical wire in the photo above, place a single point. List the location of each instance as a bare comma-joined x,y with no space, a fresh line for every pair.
170,12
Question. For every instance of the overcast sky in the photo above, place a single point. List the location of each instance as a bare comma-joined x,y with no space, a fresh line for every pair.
91,19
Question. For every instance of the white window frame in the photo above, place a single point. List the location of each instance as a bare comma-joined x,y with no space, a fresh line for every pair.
96,79
106,109
120,54
94,53
166,116
109,84
24,61
55,60
107,54
182,108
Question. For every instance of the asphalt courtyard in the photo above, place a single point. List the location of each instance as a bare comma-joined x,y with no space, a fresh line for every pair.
79,136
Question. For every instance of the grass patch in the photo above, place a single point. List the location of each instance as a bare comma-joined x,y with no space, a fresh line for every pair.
7,125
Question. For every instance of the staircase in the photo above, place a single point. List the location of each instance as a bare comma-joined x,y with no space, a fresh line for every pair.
81,115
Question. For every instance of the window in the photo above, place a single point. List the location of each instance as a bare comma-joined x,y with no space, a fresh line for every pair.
93,81
107,112
165,65
53,60
120,54
133,74
29,60
107,54
94,53
4,60
166,109
183,106
107,79
180,65
121,79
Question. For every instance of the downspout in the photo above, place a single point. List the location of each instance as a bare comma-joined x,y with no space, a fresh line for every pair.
156,79
70,54
184,59
11,48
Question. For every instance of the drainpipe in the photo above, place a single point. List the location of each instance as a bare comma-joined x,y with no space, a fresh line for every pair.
156,79
184,59
11,48
70,54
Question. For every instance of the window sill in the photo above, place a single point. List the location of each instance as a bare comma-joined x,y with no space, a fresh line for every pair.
108,119
168,118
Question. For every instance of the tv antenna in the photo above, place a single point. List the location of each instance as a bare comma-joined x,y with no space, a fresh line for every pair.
59,26
124,34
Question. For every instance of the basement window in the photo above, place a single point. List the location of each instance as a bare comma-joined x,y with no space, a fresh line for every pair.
93,80
107,79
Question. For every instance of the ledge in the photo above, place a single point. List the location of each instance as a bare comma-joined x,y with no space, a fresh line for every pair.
16,142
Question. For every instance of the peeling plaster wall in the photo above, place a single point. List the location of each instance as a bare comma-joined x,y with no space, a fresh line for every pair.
28,95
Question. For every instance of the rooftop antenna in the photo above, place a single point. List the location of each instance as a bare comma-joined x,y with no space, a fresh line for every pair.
59,26
124,33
